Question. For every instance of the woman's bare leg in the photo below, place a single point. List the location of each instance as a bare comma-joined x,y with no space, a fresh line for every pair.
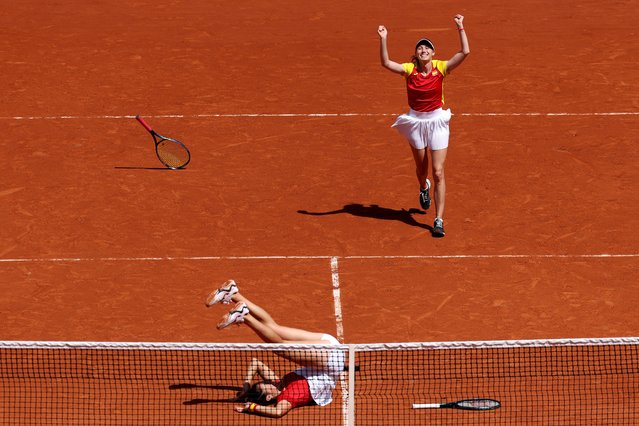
421,166
439,157
270,331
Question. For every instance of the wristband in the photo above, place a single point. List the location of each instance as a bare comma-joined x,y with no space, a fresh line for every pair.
251,407
460,29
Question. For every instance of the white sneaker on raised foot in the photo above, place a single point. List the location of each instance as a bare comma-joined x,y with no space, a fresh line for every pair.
235,316
222,294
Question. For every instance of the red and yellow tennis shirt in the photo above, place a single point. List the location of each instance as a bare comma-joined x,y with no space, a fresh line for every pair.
425,92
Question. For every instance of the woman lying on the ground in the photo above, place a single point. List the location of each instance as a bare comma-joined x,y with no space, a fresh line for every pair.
270,396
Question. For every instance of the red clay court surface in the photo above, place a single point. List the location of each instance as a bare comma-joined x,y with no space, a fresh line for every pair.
99,243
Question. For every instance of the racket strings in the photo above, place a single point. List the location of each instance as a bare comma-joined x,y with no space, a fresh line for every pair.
173,154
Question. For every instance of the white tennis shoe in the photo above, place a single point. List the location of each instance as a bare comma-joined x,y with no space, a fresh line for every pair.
222,294
235,316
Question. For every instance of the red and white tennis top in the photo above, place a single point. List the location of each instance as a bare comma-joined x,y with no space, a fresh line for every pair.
425,92
295,390
313,385
310,385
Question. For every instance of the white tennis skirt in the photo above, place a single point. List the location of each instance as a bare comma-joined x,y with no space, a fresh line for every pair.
425,129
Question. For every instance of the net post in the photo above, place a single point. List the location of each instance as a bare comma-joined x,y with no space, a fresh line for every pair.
351,385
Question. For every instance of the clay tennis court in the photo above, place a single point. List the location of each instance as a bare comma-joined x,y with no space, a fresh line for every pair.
299,189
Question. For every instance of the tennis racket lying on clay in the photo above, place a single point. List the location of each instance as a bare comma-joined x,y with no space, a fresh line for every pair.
171,152
465,404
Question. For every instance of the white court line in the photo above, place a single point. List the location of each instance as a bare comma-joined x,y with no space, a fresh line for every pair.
340,332
354,114
435,257
337,299
547,114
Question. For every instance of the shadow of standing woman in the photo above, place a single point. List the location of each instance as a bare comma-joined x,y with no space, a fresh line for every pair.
374,211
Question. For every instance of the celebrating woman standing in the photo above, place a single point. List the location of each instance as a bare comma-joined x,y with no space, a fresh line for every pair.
425,126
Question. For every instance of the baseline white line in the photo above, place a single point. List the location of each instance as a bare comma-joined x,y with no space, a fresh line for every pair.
353,114
442,256
547,114
120,117
499,256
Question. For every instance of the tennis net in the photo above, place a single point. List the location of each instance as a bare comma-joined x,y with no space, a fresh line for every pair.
568,382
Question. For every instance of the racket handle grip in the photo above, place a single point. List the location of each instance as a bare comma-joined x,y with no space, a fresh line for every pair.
142,122
418,406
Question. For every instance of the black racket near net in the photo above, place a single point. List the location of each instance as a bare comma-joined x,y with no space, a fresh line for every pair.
465,404
172,153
